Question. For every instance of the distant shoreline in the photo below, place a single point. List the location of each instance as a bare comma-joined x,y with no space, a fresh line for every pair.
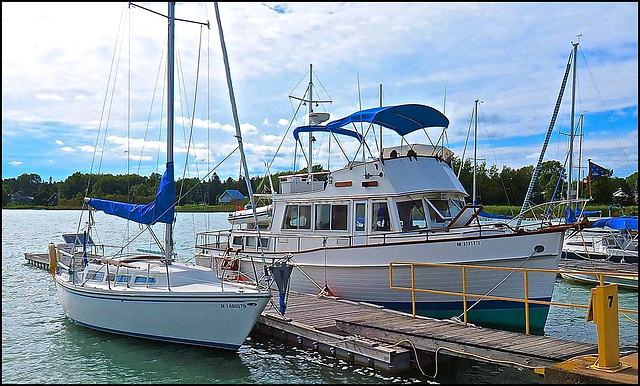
495,209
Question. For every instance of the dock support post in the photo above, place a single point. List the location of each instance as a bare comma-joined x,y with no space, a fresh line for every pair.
603,311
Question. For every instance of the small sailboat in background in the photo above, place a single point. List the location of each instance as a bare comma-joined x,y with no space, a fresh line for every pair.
613,238
155,296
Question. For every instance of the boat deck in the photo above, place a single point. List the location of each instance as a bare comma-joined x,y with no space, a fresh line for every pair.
598,265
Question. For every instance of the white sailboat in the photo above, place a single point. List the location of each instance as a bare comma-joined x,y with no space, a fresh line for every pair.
155,296
400,203
614,239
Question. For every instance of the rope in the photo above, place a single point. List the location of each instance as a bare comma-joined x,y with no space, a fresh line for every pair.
308,277
628,317
482,357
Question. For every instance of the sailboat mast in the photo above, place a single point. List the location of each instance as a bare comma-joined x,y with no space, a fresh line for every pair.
536,171
168,234
571,128
236,121
310,164
475,151
380,126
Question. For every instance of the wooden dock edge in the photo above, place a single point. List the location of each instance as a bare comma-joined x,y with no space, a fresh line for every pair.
358,350
577,371
430,345
40,260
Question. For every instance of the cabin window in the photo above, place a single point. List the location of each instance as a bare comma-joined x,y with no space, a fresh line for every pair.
331,217
94,275
123,279
237,240
339,217
440,211
380,217
455,206
144,280
360,215
323,217
252,242
297,217
411,215
437,218
442,206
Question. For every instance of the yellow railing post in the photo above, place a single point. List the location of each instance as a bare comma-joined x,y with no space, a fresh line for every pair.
464,293
526,301
413,290
603,310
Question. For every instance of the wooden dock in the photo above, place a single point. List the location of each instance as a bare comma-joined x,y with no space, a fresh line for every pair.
41,260
385,339
598,265
611,272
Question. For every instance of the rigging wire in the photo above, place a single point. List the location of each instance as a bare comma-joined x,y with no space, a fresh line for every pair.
495,156
466,141
148,125
606,111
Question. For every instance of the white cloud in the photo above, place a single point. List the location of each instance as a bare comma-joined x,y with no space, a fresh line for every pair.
15,163
86,148
67,149
44,97
511,55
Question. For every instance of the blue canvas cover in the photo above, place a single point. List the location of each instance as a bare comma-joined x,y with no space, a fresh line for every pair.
160,210
492,215
337,130
403,119
620,222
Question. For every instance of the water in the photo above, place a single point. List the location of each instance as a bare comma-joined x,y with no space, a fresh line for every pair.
40,345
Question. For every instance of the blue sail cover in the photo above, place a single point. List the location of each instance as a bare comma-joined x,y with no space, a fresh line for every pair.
160,210
492,215
403,119
620,222
337,130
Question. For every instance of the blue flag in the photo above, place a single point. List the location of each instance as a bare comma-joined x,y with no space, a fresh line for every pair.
597,171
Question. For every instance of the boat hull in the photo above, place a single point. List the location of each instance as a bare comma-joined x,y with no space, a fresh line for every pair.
362,274
264,214
627,282
221,320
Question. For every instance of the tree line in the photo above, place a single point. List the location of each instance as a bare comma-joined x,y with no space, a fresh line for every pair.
507,186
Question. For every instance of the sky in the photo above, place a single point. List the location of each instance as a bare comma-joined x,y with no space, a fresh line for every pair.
61,112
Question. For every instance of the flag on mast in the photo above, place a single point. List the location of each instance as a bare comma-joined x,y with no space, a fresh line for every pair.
596,170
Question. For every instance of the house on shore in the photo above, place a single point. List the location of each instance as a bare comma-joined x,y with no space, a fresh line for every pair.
230,197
